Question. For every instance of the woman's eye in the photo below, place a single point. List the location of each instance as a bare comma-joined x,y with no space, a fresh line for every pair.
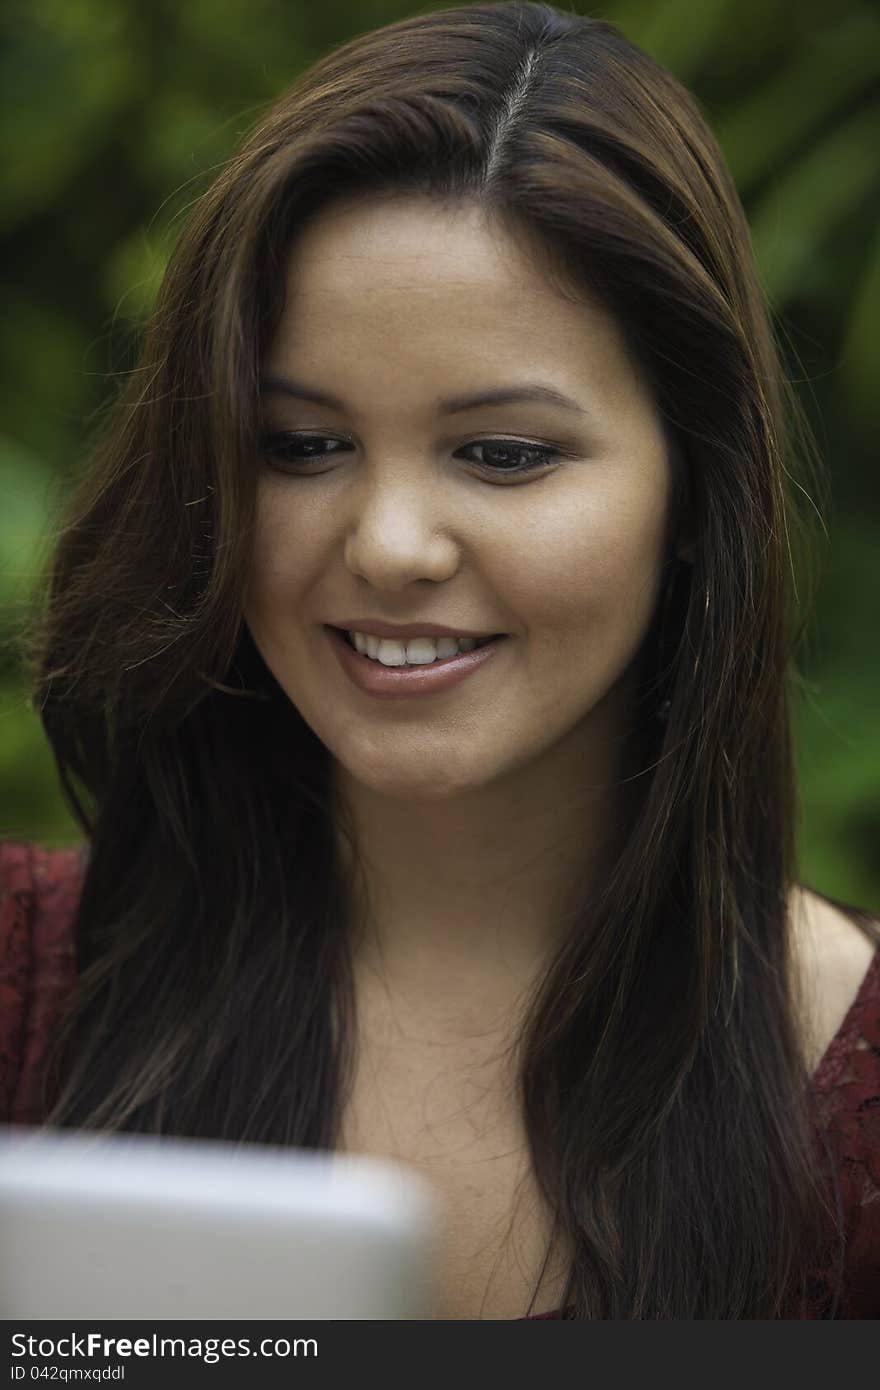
506,455
294,452
297,449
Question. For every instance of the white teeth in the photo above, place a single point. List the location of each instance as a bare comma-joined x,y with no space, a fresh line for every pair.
422,650
391,653
418,651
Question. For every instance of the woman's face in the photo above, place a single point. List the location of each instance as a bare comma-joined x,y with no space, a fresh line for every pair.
386,493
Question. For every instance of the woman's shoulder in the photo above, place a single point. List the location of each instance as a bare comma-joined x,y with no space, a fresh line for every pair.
36,868
837,956
39,891
840,953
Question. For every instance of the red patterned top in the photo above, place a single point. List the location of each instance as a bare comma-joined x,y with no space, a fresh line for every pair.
39,891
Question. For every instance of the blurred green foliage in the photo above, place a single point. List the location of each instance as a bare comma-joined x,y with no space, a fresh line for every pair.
115,115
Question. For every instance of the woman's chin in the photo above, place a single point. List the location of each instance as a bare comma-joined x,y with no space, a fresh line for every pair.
410,781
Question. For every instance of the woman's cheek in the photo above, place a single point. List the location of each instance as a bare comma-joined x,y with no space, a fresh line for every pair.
577,554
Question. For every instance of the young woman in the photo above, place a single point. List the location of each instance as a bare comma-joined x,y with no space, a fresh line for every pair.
417,655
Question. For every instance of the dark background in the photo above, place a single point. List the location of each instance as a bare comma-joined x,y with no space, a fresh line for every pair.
115,115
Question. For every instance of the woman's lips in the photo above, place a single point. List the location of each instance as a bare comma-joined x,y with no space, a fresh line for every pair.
405,681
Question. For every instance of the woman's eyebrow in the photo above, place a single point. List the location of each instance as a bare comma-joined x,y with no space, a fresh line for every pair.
445,405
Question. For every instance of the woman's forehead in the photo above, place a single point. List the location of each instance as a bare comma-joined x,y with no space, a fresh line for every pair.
414,276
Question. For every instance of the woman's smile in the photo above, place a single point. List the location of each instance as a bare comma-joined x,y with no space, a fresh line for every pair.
398,670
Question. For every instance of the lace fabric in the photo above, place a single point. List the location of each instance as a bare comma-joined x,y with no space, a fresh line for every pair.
39,890
847,1089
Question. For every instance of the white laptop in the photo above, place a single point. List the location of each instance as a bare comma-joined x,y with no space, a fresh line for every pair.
96,1225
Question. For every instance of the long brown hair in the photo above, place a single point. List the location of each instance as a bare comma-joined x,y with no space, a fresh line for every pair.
664,1087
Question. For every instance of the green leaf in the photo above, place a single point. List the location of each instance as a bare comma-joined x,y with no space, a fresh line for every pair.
29,488
81,61
859,376
793,222
677,33
821,78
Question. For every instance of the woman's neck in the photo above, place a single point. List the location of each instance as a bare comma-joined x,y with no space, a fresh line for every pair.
465,898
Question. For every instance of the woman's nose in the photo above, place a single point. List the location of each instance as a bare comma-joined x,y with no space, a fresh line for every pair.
399,534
